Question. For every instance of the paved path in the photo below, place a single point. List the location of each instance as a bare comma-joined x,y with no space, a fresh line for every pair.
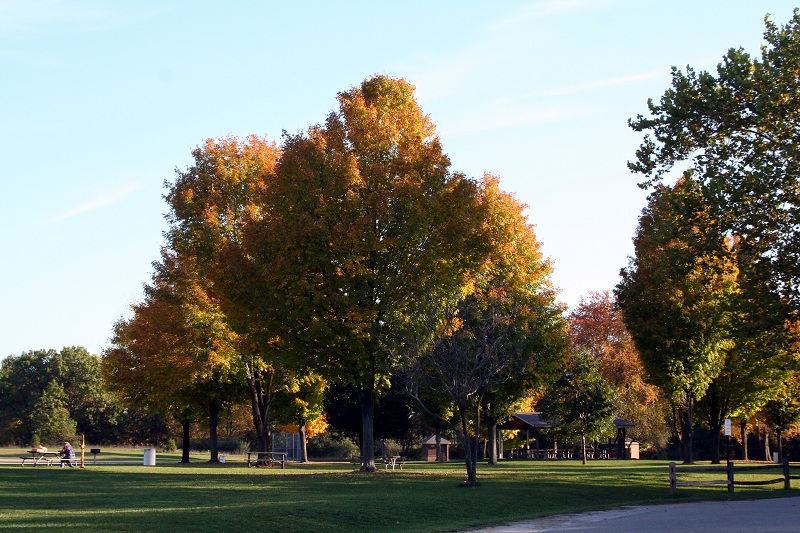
778,515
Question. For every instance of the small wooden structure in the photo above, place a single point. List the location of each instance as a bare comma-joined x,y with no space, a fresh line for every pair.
429,449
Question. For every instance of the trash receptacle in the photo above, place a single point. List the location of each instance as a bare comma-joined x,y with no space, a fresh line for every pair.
149,457
775,458
221,458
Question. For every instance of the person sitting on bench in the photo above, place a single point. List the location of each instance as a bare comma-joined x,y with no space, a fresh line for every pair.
68,453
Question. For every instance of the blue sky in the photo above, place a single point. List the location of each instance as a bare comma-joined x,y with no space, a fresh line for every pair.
101,101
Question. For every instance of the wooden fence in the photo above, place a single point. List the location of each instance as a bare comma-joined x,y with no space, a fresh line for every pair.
730,480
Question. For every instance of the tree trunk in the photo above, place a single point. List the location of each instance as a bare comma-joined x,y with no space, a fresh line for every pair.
301,430
583,448
213,421
492,440
469,458
767,454
715,412
688,430
439,454
743,426
716,439
260,385
500,450
187,440
367,401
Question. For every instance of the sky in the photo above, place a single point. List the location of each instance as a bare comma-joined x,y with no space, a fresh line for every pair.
100,102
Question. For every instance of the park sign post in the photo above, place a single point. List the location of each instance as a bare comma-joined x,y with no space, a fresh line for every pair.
728,439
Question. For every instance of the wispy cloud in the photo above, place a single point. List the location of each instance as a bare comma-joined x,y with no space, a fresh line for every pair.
31,17
36,15
446,75
497,115
524,110
630,79
98,201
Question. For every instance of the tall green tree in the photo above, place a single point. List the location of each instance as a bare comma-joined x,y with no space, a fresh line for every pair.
69,383
736,131
579,402
676,296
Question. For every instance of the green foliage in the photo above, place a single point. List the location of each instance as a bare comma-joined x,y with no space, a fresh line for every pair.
301,400
54,395
597,326
579,402
676,294
783,412
51,420
329,445
736,130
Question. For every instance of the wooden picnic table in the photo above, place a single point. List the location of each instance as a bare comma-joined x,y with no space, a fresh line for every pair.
37,457
271,457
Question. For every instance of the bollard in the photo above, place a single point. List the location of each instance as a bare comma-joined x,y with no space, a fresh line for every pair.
673,479
730,476
149,457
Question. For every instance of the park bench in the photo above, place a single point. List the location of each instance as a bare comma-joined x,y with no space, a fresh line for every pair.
76,459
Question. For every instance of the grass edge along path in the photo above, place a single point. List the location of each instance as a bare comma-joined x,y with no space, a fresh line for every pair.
424,497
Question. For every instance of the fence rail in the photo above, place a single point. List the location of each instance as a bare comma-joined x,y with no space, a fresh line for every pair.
730,471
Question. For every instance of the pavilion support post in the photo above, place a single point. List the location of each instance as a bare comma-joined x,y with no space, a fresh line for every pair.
527,444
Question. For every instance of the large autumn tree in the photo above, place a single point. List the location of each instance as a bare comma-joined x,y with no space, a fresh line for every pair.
175,355
596,326
677,296
364,219
210,202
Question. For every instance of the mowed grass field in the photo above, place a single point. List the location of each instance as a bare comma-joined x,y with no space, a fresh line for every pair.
331,497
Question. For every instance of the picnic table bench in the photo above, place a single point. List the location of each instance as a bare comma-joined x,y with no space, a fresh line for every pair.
37,457
271,458
390,460
394,460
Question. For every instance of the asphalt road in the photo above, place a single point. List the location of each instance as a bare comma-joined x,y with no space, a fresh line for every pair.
778,515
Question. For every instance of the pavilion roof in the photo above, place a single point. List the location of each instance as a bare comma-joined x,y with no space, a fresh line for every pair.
537,421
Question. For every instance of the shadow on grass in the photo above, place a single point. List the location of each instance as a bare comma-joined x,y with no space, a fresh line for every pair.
323,497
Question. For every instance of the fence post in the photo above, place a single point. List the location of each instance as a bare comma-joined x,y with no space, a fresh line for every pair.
730,476
673,479
787,484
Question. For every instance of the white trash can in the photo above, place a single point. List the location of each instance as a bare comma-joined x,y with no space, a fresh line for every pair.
221,458
149,457
775,458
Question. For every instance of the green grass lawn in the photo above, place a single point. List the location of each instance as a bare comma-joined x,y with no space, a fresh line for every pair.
325,497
